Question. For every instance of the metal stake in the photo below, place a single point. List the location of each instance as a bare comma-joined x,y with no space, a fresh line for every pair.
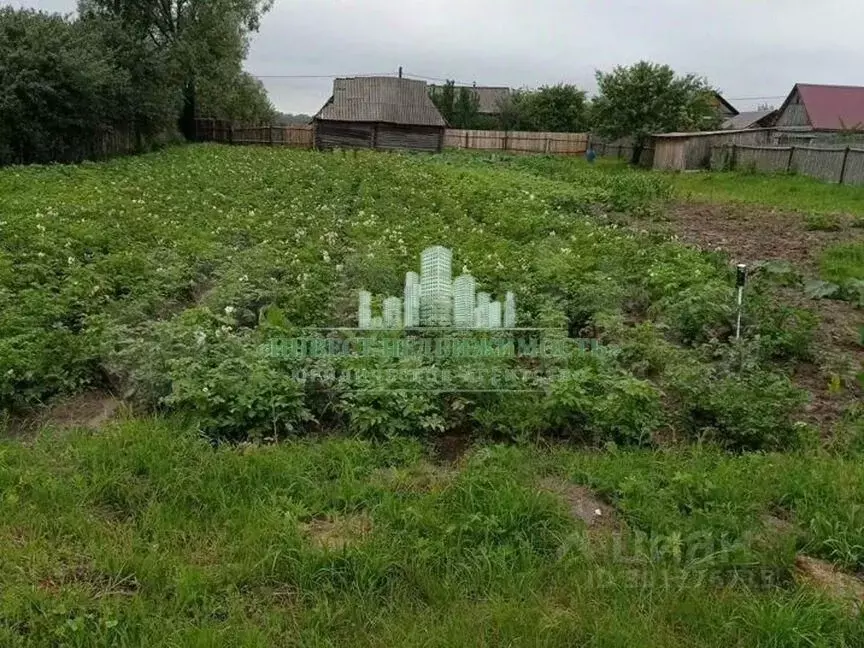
741,279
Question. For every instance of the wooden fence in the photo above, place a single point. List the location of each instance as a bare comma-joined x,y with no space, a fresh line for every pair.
840,165
214,130
67,150
623,150
517,141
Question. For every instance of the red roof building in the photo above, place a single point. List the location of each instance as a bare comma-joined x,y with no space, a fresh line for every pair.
823,108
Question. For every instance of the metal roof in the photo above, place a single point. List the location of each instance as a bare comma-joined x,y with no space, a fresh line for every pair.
381,99
747,119
831,107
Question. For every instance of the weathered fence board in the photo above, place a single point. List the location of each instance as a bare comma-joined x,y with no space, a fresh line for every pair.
517,141
215,130
838,165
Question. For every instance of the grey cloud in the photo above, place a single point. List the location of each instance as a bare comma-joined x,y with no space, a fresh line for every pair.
745,48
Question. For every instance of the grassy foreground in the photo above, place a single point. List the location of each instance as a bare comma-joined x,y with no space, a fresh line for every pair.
145,535
159,278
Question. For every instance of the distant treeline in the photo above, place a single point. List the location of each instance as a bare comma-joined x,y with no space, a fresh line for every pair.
288,119
631,102
560,109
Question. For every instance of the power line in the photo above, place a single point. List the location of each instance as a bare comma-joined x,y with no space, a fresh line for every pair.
318,76
755,98
430,78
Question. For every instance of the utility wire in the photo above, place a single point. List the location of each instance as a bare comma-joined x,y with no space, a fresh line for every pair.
318,76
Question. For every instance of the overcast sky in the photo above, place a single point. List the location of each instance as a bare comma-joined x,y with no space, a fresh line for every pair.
746,48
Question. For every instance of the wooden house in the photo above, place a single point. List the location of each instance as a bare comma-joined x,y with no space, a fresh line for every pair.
823,108
382,113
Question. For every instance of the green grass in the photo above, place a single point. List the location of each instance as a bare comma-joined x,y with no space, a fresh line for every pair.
160,276
842,263
145,535
787,192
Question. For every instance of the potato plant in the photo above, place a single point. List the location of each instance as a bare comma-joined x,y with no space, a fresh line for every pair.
154,276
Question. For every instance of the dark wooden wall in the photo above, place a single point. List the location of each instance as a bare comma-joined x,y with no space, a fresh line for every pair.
384,137
333,134
412,138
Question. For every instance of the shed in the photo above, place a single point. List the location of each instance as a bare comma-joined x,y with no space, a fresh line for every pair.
823,108
683,151
383,113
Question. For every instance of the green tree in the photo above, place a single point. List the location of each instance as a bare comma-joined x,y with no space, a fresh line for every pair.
648,98
292,119
444,98
61,91
467,108
560,108
460,107
203,39
242,99
153,98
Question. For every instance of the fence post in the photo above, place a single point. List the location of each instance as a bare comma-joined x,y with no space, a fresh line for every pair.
231,133
466,139
789,161
270,134
734,156
546,146
845,160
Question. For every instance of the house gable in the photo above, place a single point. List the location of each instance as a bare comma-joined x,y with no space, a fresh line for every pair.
793,112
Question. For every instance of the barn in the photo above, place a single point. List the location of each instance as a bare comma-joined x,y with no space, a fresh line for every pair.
382,113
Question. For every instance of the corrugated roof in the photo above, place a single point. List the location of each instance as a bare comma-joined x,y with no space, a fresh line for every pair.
707,133
489,98
747,119
381,99
832,107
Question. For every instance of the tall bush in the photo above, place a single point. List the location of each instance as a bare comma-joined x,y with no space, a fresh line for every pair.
61,92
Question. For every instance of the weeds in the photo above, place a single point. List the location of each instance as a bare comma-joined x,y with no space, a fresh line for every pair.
147,535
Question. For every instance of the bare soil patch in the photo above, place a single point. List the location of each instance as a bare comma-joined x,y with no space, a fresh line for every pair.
450,448
584,504
91,410
337,532
423,477
827,578
749,233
